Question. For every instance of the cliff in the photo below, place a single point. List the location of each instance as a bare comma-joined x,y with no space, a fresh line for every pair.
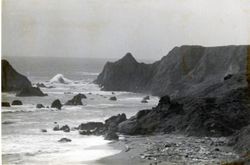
185,71
11,79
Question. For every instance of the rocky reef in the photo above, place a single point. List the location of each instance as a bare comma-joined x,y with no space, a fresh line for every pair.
185,71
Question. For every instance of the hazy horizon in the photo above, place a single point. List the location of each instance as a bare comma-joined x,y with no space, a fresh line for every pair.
96,29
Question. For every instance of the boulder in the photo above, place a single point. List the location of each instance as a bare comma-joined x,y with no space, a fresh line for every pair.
56,128
5,104
12,80
56,104
144,101
39,106
64,140
40,85
65,128
30,91
146,98
111,136
92,128
76,100
43,130
113,98
113,122
16,102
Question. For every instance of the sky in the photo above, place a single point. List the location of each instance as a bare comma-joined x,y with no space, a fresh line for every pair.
111,28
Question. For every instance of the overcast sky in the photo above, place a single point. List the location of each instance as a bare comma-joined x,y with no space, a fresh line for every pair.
110,28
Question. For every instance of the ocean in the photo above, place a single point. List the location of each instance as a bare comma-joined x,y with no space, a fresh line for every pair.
23,142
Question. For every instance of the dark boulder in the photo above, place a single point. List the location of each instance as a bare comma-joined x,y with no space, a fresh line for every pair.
146,98
16,102
113,122
110,135
76,100
56,104
43,130
12,80
56,128
65,128
64,140
30,91
113,98
92,128
5,104
39,106
144,101
40,85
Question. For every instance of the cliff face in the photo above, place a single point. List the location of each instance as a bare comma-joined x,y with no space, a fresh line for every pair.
185,71
11,79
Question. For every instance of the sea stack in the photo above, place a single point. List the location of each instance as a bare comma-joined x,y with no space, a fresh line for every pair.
13,81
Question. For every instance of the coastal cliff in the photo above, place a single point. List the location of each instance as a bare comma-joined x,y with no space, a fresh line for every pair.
185,71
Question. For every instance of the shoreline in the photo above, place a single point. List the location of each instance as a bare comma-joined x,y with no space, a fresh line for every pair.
169,149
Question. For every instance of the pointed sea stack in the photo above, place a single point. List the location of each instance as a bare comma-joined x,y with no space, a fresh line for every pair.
11,79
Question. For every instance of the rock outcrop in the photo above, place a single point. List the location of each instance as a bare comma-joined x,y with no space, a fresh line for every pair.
56,104
13,81
209,116
76,100
30,91
185,71
16,102
5,104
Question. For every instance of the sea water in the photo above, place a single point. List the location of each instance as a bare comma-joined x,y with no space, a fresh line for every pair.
23,142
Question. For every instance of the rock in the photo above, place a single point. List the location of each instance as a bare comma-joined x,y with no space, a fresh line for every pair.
40,85
92,128
144,101
113,122
113,93
5,104
146,98
185,71
16,102
64,140
240,140
56,104
76,100
56,128
65,128
12,80
43,130
113,98
30,91
111,136
39,106
214,117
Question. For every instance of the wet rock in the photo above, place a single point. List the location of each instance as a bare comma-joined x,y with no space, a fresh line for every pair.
64,140
11,79
144,101
56,128
113,98
5,104
76,100
146,98
56,104
227,77
113,122
30,91
111,136
43,130
92,128
65,128
39,106
16,102
40,85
